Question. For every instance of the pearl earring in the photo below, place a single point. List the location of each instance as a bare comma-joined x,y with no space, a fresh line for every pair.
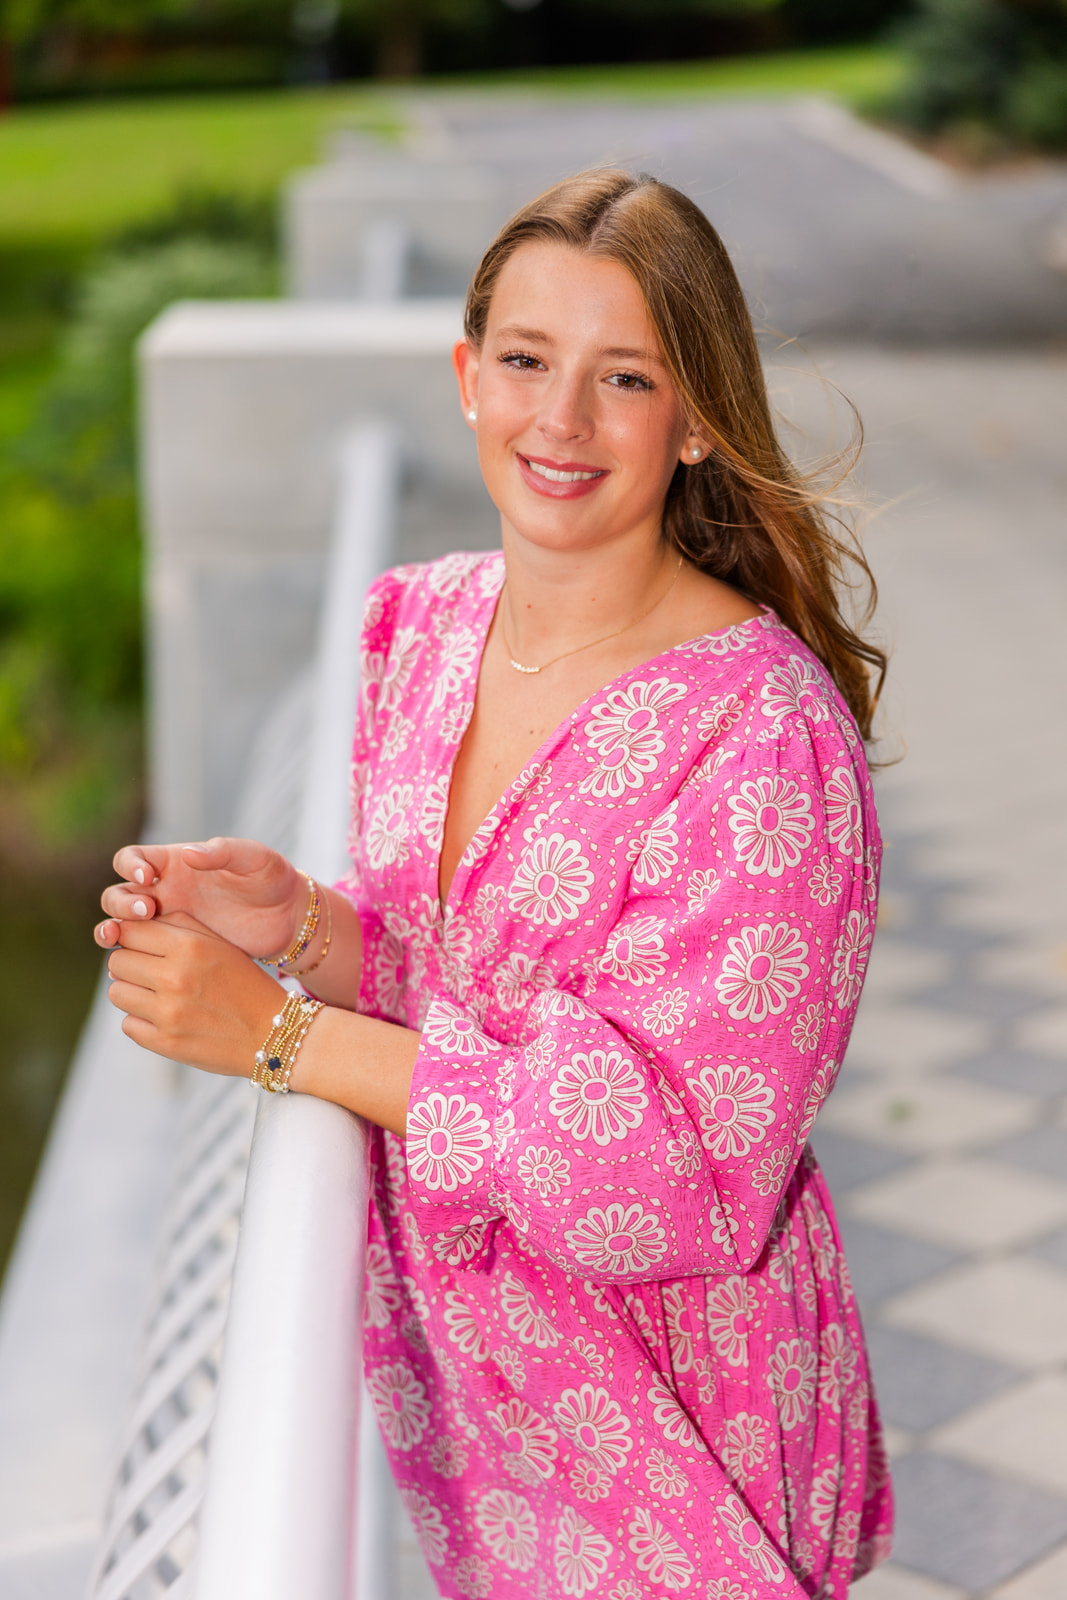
472,416
695,452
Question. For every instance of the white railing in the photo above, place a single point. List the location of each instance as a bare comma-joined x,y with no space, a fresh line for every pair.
253,1482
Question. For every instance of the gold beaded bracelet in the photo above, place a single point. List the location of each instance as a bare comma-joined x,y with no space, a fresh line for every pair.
274,1062
307,932
302,972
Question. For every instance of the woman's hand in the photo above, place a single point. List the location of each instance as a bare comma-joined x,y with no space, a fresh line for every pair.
191,995
241,890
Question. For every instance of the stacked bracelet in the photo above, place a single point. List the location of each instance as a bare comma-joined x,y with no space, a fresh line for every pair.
302,972
274,1063
307,931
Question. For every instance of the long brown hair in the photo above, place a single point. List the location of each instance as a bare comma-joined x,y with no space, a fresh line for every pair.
744,514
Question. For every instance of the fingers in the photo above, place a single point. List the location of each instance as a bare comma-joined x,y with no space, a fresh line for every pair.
123,901
140,863
106,934
226,855
135,966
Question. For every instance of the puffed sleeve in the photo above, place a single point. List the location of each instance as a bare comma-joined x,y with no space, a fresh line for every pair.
647,1127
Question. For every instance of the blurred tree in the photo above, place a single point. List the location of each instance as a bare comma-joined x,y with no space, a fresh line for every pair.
998,64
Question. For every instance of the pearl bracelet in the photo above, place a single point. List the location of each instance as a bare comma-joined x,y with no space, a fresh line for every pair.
274,1062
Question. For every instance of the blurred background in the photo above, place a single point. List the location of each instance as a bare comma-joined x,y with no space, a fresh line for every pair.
143,147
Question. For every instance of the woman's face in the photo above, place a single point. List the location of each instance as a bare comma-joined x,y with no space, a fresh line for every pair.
579,426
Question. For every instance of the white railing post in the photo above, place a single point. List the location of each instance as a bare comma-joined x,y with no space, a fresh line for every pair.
281,1507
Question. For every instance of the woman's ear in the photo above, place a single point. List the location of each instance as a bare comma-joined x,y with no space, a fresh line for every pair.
465,362
694,450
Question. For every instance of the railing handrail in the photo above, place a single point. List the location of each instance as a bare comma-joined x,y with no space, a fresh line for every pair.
280,1512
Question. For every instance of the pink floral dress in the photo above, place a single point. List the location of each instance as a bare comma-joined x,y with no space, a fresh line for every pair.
611,1339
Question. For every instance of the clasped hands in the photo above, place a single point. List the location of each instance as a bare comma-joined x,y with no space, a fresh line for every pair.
183,928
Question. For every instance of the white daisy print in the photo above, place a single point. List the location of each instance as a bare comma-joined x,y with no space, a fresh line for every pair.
635,952
517,979
587,1351
524,1316
447,1136
464,1329
659,849
474,1578
825,882
763,970
597,1424
397,669
674,1423
448,1456
823,1081
658,1554
530,1441
543,1169
598,1096
807,1029
551,882
381,1292
589,1481
623,730
664,1476
837,1365
744,1445
389,974
452,1032
385,836
617,1239
581,1554
792,1366
720,716
428,1523
450,574
666,1013
844,813
678,1315
823,1498
700,888
509,1528
769,1176
400,1403
433,811
728,1314
793,688
750,1539
850,960
683,1154
736,1107
772,824
458,653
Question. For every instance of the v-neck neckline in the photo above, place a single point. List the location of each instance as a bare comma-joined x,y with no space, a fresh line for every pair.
484,621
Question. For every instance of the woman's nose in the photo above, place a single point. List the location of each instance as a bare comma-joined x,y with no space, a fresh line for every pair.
567,412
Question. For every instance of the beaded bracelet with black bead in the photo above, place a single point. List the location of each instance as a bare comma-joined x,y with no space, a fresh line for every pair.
274,1063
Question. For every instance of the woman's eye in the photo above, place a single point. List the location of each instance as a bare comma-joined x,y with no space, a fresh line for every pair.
630,382
520,360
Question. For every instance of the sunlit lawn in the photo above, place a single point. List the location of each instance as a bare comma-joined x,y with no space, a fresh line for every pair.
83,169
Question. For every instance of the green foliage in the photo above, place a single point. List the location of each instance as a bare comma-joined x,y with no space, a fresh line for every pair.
70,586
997,63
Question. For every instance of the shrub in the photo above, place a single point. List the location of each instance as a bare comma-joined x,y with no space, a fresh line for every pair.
999,63
70,585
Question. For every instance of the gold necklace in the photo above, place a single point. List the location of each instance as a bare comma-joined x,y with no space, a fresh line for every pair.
580,647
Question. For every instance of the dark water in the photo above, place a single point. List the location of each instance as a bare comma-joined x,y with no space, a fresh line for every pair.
48,969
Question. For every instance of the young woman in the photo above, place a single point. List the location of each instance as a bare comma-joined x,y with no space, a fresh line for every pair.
592,973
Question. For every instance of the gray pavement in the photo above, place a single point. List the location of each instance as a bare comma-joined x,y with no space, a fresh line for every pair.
946,1140
837,229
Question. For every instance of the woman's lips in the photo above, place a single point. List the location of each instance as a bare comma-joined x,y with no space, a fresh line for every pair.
560,480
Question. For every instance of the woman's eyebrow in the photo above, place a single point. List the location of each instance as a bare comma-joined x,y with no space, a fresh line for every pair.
615,352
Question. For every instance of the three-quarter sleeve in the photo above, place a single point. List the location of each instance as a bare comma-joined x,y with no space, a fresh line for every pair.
646,1124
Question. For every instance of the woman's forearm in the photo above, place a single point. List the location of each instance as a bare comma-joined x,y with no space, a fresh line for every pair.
338,976
359,1063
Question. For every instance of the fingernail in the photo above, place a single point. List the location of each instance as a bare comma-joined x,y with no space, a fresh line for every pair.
198,849
138,876
140,909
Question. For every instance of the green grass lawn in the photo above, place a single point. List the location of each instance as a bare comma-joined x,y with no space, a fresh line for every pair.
79,170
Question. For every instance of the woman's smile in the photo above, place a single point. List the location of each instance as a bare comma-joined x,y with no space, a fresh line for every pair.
559,480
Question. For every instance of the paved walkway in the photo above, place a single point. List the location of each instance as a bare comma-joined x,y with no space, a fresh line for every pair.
946,1140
